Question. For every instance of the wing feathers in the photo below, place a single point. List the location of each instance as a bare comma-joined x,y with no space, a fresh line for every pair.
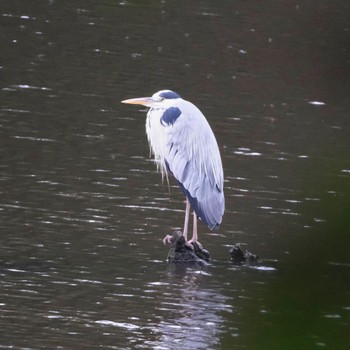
184,144
194,159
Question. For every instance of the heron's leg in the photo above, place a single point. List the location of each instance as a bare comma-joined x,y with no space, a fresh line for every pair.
187,216
195,232
194,238
168,239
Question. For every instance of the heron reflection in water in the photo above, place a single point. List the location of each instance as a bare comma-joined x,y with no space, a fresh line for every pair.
184,145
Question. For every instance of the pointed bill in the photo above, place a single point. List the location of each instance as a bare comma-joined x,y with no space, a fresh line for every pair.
145,101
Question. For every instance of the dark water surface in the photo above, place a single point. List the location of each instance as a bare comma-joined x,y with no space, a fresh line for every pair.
83,211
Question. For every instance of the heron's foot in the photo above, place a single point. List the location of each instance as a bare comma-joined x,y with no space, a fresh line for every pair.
185,251
199,250
171,239
168,239
193,243
189,245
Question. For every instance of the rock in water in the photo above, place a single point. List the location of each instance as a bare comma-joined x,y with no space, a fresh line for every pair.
239,256
182,252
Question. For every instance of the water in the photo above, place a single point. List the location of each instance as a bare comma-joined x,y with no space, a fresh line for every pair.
83,211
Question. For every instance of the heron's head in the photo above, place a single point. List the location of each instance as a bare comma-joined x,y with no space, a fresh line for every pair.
161,99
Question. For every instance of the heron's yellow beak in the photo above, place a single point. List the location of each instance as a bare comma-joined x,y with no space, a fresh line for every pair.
145,101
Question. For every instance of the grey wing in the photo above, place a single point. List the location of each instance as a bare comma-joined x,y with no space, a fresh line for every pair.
193,157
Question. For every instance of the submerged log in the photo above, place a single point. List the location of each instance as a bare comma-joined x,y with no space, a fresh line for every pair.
182,252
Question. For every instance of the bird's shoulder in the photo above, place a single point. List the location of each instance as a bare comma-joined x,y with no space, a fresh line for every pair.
185,116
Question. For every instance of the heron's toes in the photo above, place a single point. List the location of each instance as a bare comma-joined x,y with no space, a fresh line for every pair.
192,243
189,245
167,239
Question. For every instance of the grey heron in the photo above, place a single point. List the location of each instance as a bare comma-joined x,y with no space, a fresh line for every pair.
184,145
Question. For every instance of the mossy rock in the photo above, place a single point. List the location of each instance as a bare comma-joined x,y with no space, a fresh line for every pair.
240,256
182,252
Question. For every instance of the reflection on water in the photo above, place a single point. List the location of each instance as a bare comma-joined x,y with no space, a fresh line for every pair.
184,314
83,211
176,309
193,319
